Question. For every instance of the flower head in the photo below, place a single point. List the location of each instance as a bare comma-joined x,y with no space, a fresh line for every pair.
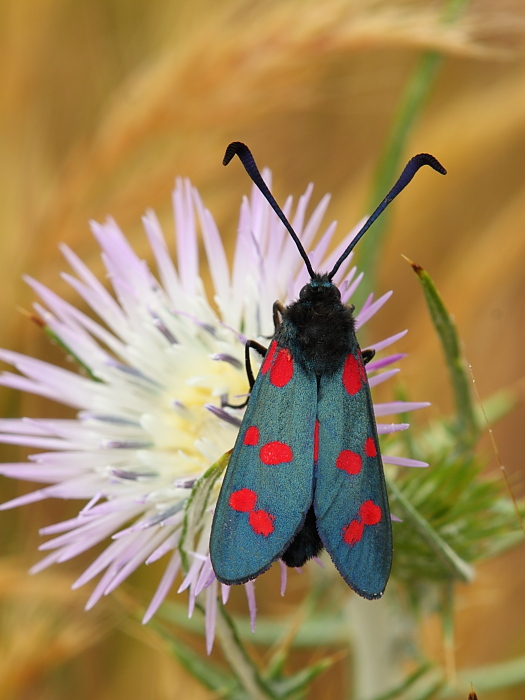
158,360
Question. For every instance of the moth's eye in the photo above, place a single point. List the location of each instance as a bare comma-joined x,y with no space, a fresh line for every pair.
304,291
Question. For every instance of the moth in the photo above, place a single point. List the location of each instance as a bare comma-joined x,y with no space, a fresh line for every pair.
306,472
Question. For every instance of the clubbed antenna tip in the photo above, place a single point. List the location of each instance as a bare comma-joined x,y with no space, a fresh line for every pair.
246,158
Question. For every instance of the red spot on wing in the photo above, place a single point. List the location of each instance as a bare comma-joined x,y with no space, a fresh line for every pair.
370,447
275,453
282,368
269,357
251,436
352,375
349,462
261,522
370,513
243,500
353,532
316,442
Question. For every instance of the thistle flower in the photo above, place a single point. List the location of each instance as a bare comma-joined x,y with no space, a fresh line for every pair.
158,361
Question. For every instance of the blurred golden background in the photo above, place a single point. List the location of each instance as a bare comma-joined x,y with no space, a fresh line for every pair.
103,104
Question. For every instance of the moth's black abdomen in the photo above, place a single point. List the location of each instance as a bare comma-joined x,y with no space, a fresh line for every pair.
305,545
318,328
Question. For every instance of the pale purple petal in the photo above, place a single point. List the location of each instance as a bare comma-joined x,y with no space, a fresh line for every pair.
45,563
252,606
241,255
67,525
217,262
191,601
56,305
166,269
225,593
339,250
384,362
101,586
24,385
108,558
395,518
383,377
223,415
367,303
62,385
211,615
89,531
34,472
138,551
284,576
187,248
193,573
169,543
387,342
388,409
308,232
206,577
387,428
317,255
366,314
350,290
40,442
33,497
94,293
404,461
164,586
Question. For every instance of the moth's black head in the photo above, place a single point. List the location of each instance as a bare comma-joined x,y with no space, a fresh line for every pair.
320,289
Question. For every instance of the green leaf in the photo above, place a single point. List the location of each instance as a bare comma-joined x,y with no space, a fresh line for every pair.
406,684
457,568
196,506
466,428
410,106
208,673
241,664
295,686
317,631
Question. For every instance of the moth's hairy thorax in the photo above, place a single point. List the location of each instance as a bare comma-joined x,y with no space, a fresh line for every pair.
318,328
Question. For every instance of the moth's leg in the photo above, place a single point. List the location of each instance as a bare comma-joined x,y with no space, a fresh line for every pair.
368,355
278,311
249,371
262,352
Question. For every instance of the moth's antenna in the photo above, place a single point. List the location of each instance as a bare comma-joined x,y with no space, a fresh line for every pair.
408,173
246,158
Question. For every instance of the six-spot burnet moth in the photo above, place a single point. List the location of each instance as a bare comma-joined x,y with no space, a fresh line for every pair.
306,471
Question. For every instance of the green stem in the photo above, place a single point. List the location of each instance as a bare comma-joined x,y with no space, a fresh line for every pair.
239,661
379,634
467,428
447,621
457,567
408,111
